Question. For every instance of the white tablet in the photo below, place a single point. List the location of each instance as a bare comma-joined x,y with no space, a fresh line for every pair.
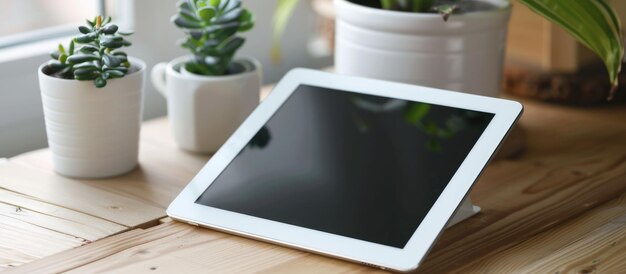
360,169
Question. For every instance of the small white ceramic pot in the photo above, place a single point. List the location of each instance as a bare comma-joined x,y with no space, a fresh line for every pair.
93,132
464,54
205,110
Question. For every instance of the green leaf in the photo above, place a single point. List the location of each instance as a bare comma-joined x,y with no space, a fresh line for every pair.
592,22
214,3
55,54
229,16
188,15
114,73
100,82
81,58
84,71
63,58
181,22
84,30
214,28
91,76
111,44
71,49
110,29
246,20
55,66
183,5
206,13
86,65
111,61
61,48
88,49
231,45
121,69
282,13
87,38
223,4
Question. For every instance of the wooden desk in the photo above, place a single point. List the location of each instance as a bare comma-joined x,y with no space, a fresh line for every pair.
560,208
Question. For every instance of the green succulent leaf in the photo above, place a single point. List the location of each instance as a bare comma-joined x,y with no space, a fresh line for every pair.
182,22
189,16
111,44
63,58
223,4
77,59
84,71
115,73
55,66
55,54
87,38
71,48
110,29
88,65
231,45
120,69
111,61
84,30
88,49
100,82
229,16
246,20
592,22
206,13
86,77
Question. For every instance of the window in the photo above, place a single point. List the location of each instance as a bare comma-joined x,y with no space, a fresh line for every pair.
35,20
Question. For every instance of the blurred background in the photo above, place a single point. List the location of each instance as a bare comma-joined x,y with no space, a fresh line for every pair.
32,28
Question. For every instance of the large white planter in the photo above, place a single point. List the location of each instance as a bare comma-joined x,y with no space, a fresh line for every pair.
205,110
464,54
93,132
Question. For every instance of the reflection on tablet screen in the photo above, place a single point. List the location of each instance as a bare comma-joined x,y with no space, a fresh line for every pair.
360,166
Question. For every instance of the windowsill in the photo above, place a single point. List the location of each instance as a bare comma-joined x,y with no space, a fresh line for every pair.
33,49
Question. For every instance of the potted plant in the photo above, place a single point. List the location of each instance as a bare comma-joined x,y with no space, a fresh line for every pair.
209,93
407,41
91,94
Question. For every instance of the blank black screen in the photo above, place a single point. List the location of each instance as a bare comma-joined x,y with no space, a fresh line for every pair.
360,166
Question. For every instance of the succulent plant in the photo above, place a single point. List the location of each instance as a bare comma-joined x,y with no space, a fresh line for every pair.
211,27
98,58
594,23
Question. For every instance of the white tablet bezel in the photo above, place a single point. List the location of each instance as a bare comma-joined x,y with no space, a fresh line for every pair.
408,258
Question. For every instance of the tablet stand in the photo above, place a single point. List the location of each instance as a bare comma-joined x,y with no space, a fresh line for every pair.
465,210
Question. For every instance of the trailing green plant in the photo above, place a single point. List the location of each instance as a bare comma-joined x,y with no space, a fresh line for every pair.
594,23
98,58
211,27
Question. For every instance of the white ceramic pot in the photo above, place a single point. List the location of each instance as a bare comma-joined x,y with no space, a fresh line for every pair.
93,132
205,110
464,54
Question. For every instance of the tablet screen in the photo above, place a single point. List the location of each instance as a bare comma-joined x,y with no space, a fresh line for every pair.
350,164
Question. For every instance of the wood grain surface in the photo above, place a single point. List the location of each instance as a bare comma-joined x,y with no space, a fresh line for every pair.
560,207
